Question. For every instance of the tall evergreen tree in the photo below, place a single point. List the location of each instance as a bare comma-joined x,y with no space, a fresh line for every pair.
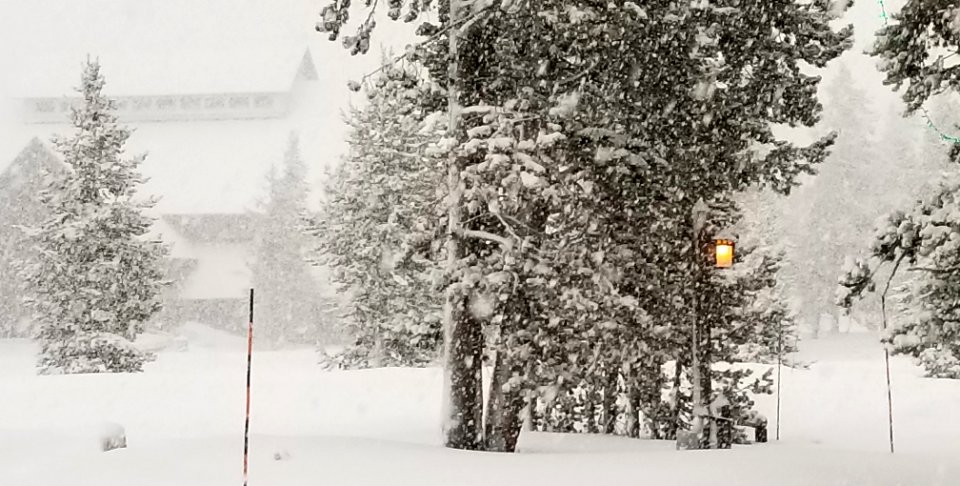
97,278
914,50
376,227
766,319
292,308
573,172
923,241
848,178
20,208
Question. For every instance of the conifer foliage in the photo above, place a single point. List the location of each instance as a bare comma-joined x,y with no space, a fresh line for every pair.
292,308
376,227
582,137
923,241
97,278
20,208
914,51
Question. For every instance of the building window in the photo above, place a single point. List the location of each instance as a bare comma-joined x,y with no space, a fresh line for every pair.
166,103
263,101
142,103
239,102
45,106
213,102
191,102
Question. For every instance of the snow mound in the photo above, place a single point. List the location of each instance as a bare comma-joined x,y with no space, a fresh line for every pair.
112,436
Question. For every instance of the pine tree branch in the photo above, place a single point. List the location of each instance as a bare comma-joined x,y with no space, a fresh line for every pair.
579,75
437,35
893,273
955,268
507,226
486,235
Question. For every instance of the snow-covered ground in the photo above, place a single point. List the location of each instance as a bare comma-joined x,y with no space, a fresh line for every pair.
184,424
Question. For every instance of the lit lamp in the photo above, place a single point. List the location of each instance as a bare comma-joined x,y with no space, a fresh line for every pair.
723,249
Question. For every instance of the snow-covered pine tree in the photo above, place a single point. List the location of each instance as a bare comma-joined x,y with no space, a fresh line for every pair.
765,317
376,227
552,122
97,278
290,304
924,242
913,50
762,281
849,178
913,47
20,208
698,108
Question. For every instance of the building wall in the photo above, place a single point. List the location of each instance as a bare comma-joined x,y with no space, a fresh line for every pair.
221,271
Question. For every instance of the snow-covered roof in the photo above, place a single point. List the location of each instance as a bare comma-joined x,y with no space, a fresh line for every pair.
150,48
155,47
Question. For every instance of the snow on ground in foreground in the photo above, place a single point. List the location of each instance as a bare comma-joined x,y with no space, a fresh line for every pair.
184,423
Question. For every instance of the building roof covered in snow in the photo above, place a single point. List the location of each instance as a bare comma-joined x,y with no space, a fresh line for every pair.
161,47
212,89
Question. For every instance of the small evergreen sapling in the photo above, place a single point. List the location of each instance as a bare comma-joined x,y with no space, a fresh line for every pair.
923,241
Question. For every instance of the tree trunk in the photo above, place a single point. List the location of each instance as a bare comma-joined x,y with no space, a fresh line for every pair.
706,382
504,408
633,412
589,408
463,337
610,392
651,397
465,387
675,404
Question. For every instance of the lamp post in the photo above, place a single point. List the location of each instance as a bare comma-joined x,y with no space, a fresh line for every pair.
723,253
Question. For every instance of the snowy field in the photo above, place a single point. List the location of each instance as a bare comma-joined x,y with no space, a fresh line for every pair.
184,423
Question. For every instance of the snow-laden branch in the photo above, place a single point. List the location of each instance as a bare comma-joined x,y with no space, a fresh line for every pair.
486,235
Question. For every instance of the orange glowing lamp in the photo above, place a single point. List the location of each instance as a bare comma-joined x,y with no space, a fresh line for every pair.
724,250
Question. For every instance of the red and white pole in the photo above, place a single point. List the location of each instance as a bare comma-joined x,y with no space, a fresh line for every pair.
246,425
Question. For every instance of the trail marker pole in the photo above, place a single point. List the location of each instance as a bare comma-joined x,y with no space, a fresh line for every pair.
886,363
246,425
779,364
886,350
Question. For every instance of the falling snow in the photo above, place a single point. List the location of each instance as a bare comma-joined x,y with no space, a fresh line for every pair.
499,244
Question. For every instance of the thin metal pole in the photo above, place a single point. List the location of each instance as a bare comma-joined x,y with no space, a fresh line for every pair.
779,364
886,352
246,425
886,361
